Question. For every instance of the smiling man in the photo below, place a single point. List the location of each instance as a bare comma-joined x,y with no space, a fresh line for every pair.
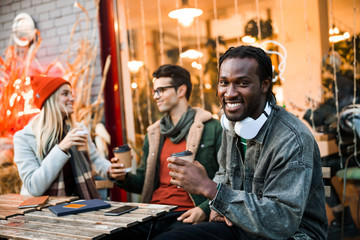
181,128
269,184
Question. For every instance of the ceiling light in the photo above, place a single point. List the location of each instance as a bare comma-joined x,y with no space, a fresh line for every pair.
337,36
192,54
185,15
134,66
248,39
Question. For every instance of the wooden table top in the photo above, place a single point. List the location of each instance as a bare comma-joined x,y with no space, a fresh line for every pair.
40,223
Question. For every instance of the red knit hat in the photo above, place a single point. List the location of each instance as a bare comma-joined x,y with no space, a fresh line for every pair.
44,86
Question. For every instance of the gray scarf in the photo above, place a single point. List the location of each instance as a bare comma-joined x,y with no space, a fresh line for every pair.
180,130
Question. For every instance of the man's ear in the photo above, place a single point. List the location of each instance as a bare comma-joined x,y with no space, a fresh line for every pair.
265,85
182,90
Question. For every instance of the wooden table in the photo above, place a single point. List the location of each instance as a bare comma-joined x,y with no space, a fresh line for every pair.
42,224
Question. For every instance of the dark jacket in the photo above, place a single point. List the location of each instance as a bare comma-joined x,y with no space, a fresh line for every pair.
277,191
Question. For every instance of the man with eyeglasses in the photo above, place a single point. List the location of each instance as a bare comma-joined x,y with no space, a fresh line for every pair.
181,128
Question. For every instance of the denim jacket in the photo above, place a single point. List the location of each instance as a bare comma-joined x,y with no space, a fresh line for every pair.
277,191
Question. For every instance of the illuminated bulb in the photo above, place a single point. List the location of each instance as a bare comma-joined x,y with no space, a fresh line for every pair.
133,85
12,99
334,30
27,81
207,85
196,65
17,82
338,38
8,112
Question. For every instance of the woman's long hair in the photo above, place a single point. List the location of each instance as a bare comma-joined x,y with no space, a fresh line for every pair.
48,125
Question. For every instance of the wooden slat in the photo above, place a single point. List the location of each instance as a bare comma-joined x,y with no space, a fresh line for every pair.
327,147
152,212
166,208
6,202
14,196
140,217
100,184
19,234
7,214
326,171
99,227
327,191
15,209
55,230
323,136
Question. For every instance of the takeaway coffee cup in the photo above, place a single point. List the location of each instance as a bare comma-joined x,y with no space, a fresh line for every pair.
123,153
85,146
186,155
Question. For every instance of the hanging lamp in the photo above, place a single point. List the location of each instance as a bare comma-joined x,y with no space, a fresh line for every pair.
134,66
336,36
185,15
191,54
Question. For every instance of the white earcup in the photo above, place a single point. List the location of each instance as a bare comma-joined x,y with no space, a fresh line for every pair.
247,128
224,122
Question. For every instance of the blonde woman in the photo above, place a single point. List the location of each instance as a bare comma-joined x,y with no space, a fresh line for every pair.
46,151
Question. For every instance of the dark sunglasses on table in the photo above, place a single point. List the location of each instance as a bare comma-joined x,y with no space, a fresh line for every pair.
160,90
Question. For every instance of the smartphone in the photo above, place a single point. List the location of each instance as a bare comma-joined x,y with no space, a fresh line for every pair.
120,210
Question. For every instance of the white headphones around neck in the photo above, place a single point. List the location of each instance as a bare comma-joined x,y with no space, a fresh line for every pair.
249,127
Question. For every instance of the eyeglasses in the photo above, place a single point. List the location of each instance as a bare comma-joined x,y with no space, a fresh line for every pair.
160,90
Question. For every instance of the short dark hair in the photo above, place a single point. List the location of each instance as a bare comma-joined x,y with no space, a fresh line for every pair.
264,62
178,75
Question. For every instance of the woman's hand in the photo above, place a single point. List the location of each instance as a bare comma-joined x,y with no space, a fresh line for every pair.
72,138
117,170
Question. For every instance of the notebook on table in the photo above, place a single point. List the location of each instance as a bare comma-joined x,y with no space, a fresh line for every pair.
78,207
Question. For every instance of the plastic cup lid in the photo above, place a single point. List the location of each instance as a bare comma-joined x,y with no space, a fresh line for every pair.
181,154
121,149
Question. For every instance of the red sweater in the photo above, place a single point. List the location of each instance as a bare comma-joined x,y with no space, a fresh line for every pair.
168,193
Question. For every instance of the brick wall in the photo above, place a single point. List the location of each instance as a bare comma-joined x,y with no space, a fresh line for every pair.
55,20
